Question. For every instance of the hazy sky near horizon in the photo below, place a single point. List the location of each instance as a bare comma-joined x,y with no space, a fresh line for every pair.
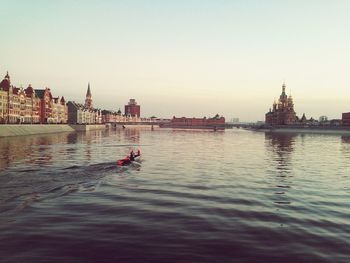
183,58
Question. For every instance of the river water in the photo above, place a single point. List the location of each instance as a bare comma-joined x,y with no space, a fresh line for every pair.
195,196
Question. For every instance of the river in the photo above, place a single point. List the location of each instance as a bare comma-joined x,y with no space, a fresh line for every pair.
194,196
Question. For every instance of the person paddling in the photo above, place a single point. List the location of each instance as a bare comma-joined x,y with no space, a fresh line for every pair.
129,158
132,155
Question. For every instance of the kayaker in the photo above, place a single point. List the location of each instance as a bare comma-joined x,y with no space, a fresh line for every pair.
132,155
129,158
124,161
138,153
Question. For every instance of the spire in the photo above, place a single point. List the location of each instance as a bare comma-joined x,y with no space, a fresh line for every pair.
88,99
88,93
283,94
7,75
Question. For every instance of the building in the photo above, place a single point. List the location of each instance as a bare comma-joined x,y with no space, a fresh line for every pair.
88,99
282,112
111,116
79,114
52,110
84,114
132,109
60,110
193,123
46,105
346,119
3,105
34,104
18,105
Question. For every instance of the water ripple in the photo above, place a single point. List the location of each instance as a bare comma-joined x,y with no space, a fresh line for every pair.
196,196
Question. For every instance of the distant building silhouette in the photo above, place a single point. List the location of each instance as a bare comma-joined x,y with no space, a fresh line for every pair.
282,112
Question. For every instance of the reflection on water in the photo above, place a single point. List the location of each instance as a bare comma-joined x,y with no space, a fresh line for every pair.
345,139
41,149
345,146
133,135
19,149
194,196
280,147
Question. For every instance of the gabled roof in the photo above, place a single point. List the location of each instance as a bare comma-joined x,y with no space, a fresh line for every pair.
40,93
15,90
29,91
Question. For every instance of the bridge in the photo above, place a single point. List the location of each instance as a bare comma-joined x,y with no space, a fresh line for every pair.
243,125
142,122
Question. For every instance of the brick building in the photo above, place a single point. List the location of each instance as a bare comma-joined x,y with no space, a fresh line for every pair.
132,109
183,122
346,119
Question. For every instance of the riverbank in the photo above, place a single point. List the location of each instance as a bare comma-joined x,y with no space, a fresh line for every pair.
314,130
7,130
146,126
203,127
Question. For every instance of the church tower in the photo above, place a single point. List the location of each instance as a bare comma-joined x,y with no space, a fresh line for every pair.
88,99
282,112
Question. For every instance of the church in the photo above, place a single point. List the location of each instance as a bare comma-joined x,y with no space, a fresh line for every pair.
282,112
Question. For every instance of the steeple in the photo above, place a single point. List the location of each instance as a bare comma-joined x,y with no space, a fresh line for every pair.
88,93
88,99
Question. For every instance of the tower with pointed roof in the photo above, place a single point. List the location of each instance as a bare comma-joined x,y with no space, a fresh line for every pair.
5,84
282,112
88,99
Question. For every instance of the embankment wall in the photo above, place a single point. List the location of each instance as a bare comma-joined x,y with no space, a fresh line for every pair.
27,129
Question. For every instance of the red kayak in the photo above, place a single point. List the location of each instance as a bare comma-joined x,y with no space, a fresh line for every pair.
129,158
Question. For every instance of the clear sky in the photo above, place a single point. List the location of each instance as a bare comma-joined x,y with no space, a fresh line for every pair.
183,57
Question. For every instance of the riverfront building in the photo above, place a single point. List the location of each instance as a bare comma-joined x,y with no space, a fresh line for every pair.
19,105
346,119
79,114
132,109
217,122
84,114
282,112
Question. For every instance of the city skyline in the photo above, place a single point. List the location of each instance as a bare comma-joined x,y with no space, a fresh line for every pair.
189,58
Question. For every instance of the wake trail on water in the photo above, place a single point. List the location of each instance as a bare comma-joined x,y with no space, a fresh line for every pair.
124,145
24,187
